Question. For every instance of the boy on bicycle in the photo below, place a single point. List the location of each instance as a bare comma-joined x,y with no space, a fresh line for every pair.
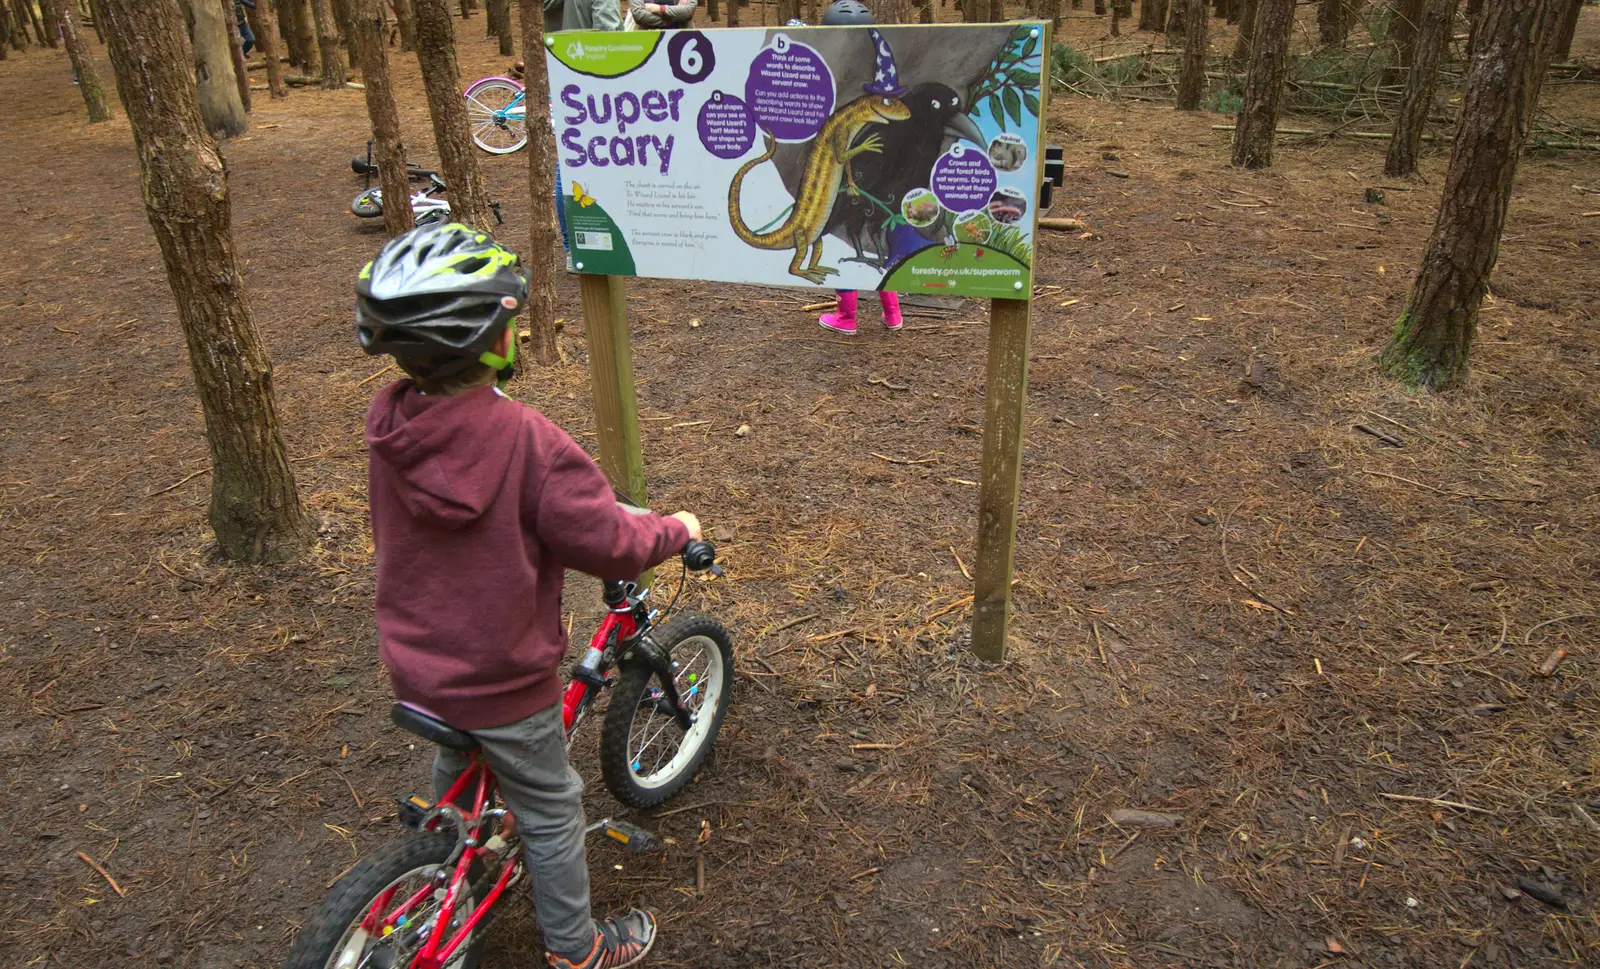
479,504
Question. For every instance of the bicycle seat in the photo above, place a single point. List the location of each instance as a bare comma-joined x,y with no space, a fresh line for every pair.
428,727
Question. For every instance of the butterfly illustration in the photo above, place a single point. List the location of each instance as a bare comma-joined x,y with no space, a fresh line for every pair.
580,196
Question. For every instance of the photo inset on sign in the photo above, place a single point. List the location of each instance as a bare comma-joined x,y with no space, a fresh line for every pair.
975,227
1008,152
1008,205
921,207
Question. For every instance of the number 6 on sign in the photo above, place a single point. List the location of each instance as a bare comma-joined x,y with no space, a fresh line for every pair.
691,57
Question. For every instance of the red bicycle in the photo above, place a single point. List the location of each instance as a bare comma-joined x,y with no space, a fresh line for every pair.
423,901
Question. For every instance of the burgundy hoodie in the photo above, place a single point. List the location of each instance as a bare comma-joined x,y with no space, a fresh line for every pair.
479,505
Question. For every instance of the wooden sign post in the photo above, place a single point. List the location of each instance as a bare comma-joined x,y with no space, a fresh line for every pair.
1004,407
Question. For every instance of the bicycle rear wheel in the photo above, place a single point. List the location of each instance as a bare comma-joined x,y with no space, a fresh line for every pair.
337,937
368,204
645,756
497,127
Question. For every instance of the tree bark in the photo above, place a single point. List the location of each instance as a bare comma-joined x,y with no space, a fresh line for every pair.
1404,18
1432,39
402,20
1192,70
335,69
1562,47
241,76
94,93
1474,9
542,232
500,16
733,12
216,87
1433,339
1247,29
255,509
1257,125
469,202
367,21
300,34
99,28
7,38
47,38
1153,15
1332,25
267,40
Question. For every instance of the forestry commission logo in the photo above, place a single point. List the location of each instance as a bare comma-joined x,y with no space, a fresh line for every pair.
575,50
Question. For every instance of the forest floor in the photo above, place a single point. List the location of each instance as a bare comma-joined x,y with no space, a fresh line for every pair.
1261,588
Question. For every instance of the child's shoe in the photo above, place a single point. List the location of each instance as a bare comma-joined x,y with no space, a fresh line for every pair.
620,940
891,310
843,320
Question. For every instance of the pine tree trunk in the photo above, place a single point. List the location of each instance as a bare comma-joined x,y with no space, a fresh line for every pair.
367,21
267,40
997,11
99,30
402,20
1562,47
1256,128
301,35
1153,15
255,509
1192,71
500,16
335,69
1432,39
1404,18
241,76
1247,29
712,11
1332,27
1116,19
1473,12
216,87
436,39
543,243
1433,339
94,93
47,38
1048,10
7,38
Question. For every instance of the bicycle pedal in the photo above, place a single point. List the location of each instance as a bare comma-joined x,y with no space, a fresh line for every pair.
413,811
630,836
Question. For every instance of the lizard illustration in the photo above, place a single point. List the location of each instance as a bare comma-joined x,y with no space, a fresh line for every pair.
827,165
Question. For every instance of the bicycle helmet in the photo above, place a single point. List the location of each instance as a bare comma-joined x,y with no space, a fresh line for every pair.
847,13
794,22
437,299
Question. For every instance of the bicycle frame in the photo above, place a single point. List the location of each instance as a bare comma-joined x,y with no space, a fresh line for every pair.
438,949
627,618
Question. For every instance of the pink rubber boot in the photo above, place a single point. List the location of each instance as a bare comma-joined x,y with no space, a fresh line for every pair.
844,319
891,310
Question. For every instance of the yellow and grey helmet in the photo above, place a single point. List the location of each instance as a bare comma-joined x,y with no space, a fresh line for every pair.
439,295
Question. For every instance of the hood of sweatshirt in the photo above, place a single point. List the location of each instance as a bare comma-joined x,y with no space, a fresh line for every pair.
448,454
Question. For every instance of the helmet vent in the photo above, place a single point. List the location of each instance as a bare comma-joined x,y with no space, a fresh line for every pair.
467,267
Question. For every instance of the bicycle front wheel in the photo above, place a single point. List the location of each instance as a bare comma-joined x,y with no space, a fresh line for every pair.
646,756
496,116
368,204
365,921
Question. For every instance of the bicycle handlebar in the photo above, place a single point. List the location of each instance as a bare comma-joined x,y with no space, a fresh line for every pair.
698,556
367,168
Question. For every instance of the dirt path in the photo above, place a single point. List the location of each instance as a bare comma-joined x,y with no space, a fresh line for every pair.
1236,606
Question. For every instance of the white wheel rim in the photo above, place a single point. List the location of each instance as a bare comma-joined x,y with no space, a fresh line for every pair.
351,950
698,673
497,127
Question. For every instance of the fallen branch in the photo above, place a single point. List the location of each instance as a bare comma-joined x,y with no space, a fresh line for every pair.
885,457
103,873
1063,225
182,481
1436,801
1454,494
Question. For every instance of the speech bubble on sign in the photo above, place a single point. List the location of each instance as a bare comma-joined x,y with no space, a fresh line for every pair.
963,179
789,90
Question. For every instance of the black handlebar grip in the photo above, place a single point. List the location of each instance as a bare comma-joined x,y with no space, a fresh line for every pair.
699,556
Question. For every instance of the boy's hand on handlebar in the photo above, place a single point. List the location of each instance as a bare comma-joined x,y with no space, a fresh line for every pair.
690,522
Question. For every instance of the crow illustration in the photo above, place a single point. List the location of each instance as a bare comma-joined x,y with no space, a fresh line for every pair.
938,115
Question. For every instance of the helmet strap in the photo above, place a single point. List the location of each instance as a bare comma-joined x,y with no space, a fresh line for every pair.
503,364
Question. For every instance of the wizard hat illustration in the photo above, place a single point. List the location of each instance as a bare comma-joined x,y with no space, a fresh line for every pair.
886,81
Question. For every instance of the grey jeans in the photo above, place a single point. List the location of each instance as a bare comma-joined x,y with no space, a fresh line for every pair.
545,795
